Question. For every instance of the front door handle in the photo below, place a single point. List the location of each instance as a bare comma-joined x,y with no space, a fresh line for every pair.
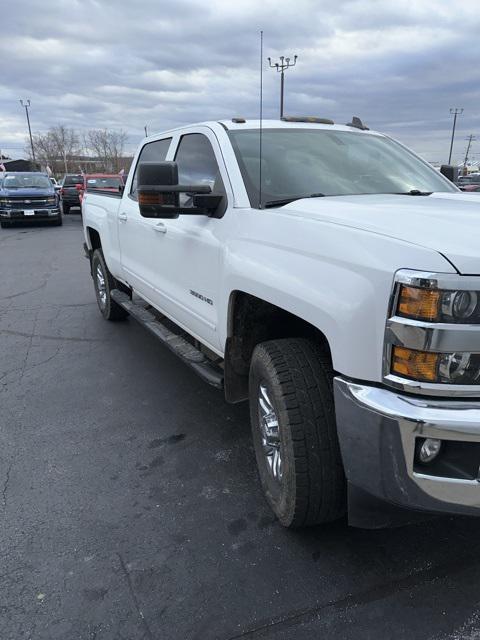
122,216
160,228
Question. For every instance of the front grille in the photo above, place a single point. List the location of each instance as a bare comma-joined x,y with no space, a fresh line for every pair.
26,203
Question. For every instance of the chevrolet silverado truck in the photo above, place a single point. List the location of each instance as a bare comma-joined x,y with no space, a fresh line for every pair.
27,196
329,276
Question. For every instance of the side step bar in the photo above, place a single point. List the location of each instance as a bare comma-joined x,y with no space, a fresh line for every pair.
181,347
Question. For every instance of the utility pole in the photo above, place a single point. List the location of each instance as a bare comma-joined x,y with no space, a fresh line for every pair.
455,112
285,63
470,139
25,105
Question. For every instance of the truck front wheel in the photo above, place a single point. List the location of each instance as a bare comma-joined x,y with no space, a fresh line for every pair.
104,282
294,432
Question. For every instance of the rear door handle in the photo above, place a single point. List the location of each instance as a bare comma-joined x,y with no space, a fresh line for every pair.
160,228
123,216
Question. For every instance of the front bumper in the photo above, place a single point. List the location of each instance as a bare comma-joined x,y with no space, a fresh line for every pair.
379,431
19,215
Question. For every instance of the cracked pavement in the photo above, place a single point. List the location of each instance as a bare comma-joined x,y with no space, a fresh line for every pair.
130,504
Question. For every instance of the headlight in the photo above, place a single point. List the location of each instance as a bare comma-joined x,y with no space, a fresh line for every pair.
432,334
436,305
51,201
443,368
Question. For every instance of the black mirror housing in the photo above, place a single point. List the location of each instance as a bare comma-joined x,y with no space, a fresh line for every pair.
156,173
158,193
449,172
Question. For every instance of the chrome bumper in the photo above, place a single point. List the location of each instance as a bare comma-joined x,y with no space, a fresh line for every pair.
377,430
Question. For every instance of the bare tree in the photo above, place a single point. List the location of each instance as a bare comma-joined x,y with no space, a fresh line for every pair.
60,149
67,144
108,146
56,148
45,150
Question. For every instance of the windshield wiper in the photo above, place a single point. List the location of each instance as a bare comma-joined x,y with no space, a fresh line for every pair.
415,192
284,201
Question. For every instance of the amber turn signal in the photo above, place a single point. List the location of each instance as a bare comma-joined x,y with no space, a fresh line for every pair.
147,198
419,304
418,365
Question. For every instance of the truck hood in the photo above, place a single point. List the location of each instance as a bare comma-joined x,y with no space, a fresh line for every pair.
27,193
445,222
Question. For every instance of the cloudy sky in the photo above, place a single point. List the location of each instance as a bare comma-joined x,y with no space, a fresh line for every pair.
400,65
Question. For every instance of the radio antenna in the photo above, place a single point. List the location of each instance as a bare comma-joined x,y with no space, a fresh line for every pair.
261,118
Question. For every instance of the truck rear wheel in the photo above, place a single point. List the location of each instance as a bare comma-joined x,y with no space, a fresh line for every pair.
294,432
104,282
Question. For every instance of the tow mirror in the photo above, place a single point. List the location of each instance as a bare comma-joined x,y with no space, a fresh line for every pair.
449,172
158,193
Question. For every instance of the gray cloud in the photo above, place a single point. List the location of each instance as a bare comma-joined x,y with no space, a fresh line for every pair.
399,65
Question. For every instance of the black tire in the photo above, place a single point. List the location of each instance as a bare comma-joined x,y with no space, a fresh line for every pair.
5,224
298,379
65,208
59,221
109,309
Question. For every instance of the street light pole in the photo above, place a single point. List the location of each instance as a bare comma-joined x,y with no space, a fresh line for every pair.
455,112
281,66
25,105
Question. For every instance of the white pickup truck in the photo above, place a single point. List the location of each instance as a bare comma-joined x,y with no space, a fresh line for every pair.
331,277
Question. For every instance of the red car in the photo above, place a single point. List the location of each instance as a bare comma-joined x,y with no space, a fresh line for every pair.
470,187
105,181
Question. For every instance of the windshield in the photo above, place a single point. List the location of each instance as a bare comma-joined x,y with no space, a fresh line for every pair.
71,181
104,183
26,181
301,162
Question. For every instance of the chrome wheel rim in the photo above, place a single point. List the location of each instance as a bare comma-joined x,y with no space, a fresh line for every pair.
101,286
270,434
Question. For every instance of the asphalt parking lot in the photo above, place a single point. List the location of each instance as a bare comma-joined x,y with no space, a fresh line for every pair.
130,503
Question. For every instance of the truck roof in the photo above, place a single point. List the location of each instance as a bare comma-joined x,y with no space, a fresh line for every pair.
234,125
237,124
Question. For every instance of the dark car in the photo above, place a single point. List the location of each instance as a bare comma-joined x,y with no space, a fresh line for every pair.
69,192
27,196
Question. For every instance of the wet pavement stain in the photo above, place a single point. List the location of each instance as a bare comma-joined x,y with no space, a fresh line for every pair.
173,439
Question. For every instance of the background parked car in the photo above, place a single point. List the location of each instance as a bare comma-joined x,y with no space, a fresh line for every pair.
69,193
28,196
105,181
473,179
